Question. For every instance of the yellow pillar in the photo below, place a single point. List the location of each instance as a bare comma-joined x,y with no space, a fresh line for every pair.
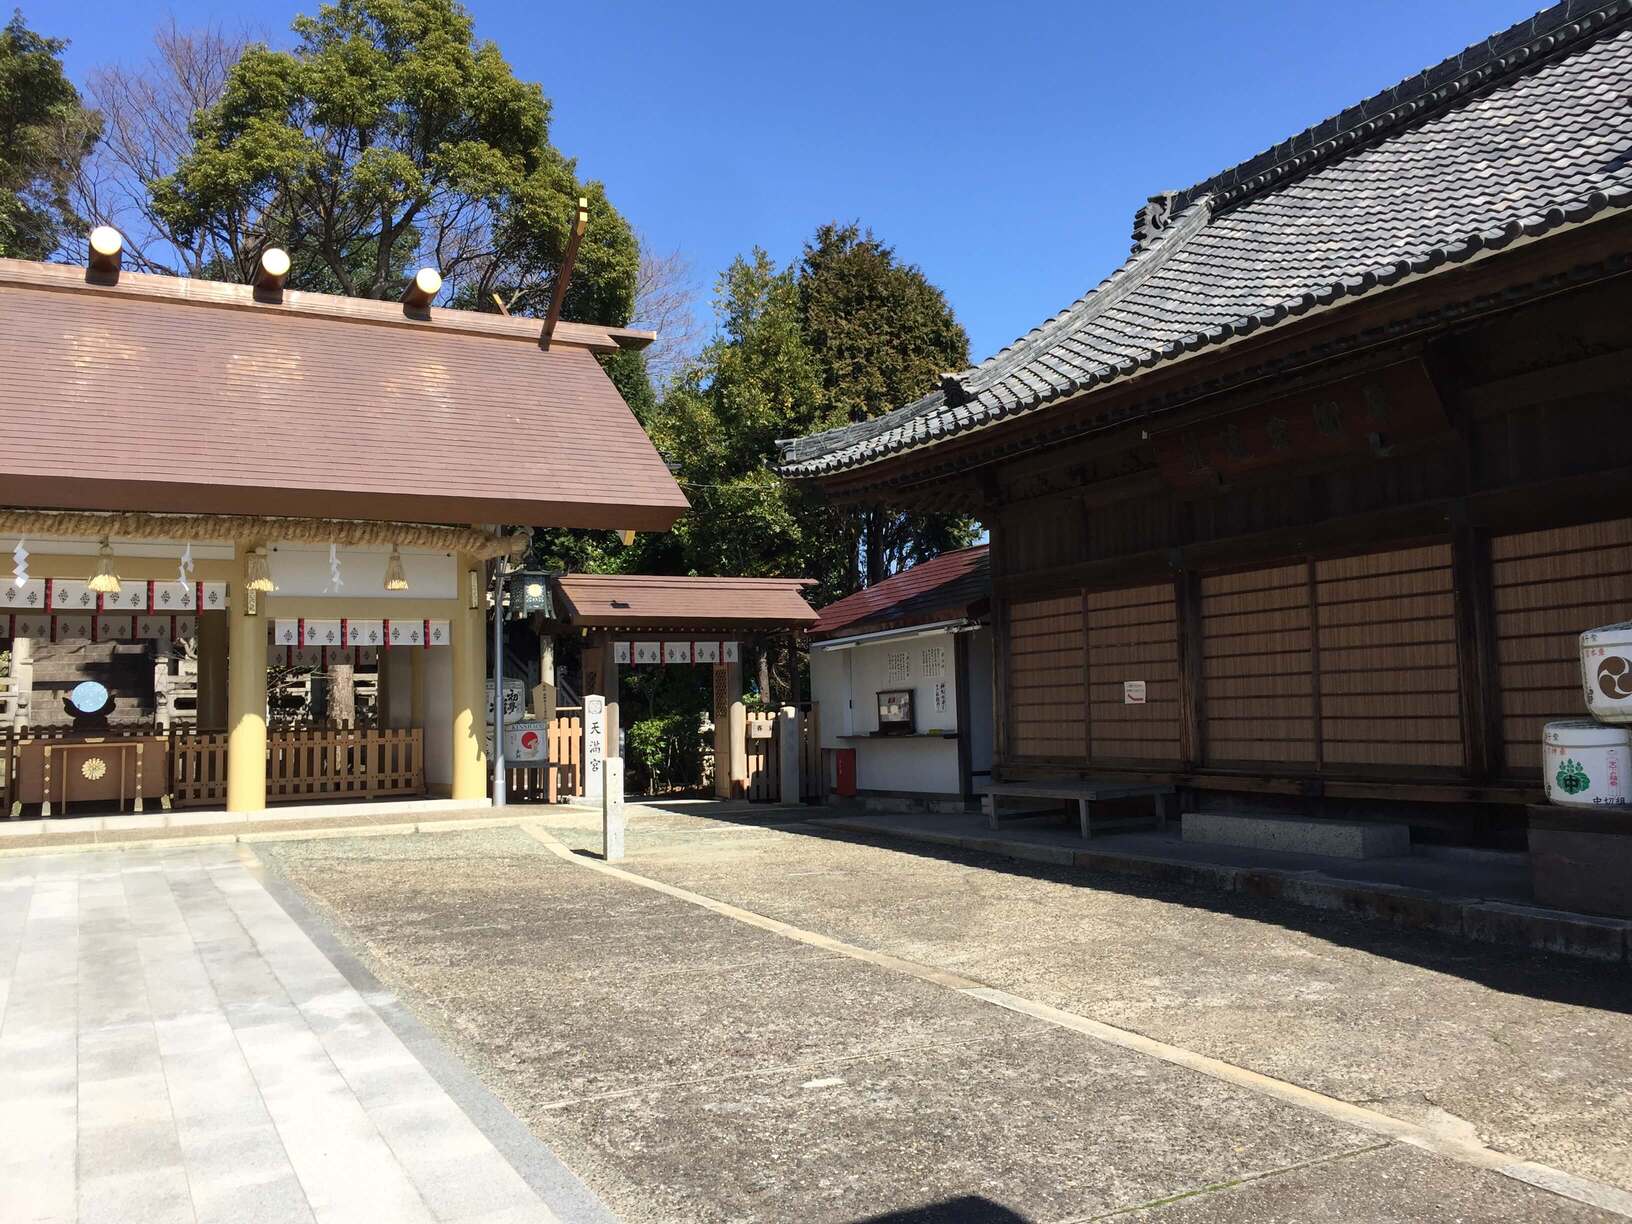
469,688
246,693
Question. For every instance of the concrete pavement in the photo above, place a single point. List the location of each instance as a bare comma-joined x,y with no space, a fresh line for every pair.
696,1062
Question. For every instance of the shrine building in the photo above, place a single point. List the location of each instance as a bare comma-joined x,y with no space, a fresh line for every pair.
251,531
1304,507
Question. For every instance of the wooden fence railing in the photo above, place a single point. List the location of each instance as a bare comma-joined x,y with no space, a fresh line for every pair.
764,759
308,764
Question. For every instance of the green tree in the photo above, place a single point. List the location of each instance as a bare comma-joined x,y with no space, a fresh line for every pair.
846,333
756,381
390,138
45,133
881,335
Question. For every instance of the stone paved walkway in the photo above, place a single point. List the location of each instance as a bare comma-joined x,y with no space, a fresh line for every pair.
173,1046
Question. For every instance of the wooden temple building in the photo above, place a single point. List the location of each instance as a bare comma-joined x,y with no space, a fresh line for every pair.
218,484
1305,505
631,621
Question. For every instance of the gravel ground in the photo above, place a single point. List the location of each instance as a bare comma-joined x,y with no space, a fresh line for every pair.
693,1068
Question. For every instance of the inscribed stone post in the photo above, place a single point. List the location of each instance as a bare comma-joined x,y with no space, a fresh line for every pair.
594,744
612,810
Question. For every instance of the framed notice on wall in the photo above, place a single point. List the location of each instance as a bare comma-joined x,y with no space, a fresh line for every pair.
1133,692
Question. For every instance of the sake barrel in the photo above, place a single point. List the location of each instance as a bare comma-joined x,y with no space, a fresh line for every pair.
1606,672
1584,764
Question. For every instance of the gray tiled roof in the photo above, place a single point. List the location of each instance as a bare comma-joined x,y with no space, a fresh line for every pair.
1518,135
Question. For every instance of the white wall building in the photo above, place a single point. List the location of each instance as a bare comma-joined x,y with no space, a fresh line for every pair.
922,640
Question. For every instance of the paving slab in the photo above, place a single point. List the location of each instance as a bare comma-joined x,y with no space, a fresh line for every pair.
173,1046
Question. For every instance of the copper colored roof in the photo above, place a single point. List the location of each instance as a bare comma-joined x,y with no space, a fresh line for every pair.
168,394
646,601
951,585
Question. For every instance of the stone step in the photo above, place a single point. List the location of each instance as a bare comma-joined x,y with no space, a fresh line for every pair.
1298,834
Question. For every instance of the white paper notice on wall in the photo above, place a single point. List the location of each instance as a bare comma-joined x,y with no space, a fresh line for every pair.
940,696
154,627
898,666
131,597
70,628
31,625
365,632
620,652
72,596
1133,692
405,632
30,597
934,662
114,628
728,652
705,652
321,633
677,652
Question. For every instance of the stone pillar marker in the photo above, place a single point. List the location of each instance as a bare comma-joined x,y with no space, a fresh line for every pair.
594,744
612,811
787,750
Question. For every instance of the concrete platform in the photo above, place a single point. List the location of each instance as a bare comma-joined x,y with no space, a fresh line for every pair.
1477,895
1337,839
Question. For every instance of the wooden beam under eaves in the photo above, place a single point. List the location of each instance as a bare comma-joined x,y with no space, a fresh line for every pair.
564,276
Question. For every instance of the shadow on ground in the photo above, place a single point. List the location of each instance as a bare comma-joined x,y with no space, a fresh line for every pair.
1536,974
973,1208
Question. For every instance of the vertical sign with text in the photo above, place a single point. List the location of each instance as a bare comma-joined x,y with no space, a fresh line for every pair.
594,745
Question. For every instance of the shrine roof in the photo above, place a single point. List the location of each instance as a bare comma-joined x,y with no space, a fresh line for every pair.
695,604
169,394
954,584
1511,139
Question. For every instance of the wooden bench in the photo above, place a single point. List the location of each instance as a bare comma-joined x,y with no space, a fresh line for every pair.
1085,792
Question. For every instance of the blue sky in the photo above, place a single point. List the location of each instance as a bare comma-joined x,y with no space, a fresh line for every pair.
1003,148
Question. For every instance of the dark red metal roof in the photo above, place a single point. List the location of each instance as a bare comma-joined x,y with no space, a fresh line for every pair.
950,585
656,601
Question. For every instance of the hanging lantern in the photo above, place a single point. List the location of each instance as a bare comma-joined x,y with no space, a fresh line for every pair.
395,578
19,568
257,573
104,581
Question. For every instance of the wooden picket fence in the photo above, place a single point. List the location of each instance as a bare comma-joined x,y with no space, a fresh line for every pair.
563,776
314,763
812,766
764,759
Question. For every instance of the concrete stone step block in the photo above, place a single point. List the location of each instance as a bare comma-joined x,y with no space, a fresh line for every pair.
1298,835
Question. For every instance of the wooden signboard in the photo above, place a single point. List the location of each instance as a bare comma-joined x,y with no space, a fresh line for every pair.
1368,414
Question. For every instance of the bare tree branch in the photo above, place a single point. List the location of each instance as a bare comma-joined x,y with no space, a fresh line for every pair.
147,111
666,296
